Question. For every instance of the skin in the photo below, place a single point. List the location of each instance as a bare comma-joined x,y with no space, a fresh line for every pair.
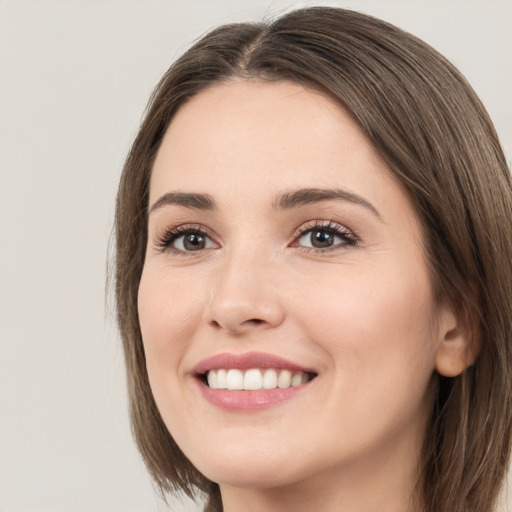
362,316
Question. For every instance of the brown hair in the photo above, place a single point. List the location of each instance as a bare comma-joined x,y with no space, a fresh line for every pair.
431,129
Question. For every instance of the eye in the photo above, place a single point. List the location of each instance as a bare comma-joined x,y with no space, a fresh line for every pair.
325,236
192,242
185,239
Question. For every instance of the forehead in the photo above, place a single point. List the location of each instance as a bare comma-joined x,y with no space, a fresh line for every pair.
262,136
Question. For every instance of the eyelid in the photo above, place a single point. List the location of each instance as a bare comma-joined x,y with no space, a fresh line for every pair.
319,223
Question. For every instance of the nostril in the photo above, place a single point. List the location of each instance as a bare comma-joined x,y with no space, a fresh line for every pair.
238,328
254,321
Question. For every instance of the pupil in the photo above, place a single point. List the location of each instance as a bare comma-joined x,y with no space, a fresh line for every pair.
321,239
194,242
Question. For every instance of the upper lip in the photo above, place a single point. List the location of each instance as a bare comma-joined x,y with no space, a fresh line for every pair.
247,361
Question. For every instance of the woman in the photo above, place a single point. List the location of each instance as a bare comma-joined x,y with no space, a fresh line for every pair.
314,274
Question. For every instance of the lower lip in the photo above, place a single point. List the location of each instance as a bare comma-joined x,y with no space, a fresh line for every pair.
248,400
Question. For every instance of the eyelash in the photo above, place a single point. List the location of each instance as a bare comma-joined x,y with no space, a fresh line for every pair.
348,237
164,242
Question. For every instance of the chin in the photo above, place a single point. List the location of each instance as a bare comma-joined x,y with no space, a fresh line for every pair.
241,476
250,469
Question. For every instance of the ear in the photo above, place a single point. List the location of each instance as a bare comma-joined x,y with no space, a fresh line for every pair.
459,342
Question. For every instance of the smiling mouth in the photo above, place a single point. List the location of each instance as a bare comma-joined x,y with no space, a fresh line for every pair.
254,379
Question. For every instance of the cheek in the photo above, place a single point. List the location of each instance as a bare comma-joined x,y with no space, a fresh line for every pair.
168,318
373,322
376,330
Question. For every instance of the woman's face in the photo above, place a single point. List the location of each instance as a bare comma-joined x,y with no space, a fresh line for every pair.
285,265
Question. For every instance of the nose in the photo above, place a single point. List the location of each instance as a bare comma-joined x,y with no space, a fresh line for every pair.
245,294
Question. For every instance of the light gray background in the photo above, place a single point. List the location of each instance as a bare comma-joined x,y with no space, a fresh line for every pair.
75,76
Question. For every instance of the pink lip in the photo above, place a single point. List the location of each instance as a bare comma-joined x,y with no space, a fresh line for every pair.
247,401
247,361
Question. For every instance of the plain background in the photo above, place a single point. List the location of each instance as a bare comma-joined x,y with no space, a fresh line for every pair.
75,76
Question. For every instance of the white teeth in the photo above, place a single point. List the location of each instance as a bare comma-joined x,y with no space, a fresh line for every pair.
235,379
254,379
284,380
212,380
270,379
296,379
222,382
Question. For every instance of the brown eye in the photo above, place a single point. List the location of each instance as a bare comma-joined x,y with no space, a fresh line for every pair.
185,240
190,241
193,242
321,239
330,236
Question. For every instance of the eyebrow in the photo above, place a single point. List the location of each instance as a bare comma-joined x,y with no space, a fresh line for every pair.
192,201
284,201
305,196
